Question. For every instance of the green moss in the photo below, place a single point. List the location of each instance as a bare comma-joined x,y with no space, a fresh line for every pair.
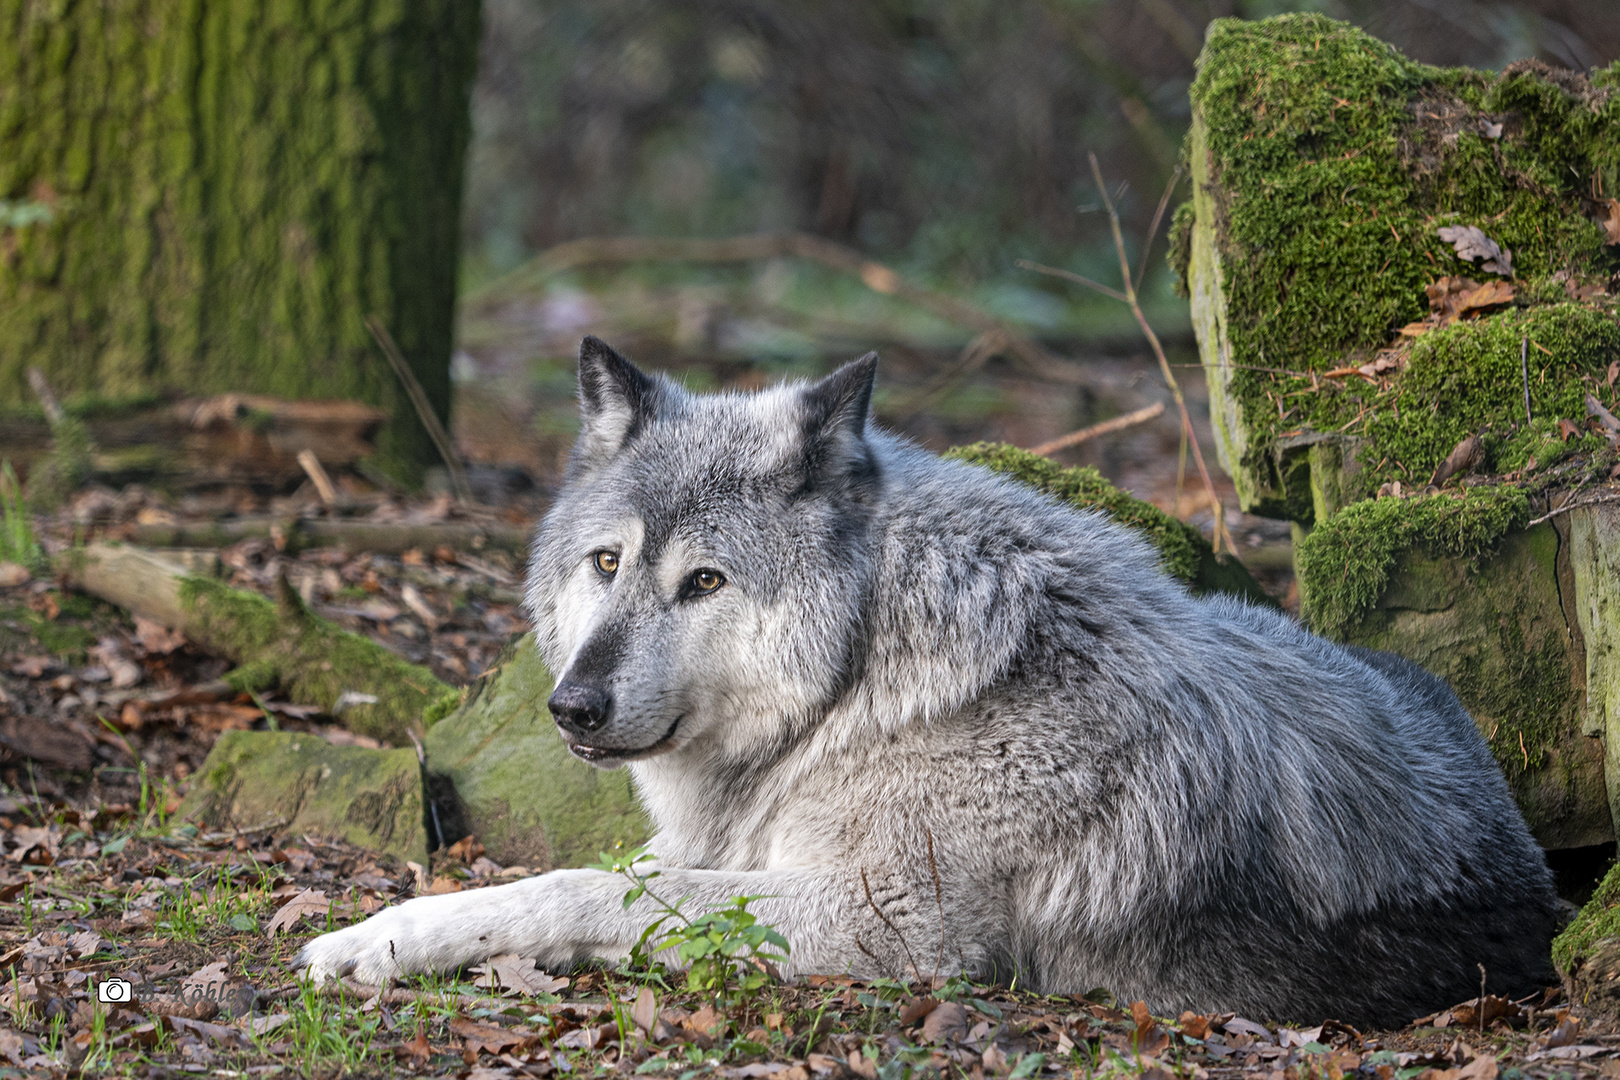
1183,550
1344,564
234,189
1332,160
1179,257
1467,379
312,660
1599,919
1179,544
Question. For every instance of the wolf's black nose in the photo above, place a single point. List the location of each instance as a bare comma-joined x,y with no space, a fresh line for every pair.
580,708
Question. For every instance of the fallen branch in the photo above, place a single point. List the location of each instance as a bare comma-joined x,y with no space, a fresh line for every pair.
1118,423
1606,497
277,644
874,275
377,537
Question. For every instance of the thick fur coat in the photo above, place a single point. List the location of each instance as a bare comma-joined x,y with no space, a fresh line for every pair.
832,660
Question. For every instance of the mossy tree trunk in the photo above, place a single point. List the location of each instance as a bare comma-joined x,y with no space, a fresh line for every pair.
232,188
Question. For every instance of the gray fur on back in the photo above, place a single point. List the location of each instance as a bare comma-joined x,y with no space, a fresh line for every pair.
915,664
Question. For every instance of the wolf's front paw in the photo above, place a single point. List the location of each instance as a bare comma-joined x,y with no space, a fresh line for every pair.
374,952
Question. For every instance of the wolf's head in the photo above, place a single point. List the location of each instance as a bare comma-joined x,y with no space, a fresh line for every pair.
698,584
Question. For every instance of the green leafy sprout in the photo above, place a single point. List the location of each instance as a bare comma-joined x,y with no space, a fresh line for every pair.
728,953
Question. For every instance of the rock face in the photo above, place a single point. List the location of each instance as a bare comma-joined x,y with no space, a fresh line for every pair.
1353,345
299,783
516,786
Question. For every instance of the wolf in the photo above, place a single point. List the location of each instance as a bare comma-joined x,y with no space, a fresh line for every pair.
944,724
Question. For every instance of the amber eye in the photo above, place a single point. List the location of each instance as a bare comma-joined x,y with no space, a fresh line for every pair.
706,581
607,562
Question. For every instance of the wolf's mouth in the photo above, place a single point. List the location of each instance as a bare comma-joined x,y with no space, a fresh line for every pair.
596,754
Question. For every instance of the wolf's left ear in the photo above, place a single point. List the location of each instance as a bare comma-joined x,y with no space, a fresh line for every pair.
615,398
835,411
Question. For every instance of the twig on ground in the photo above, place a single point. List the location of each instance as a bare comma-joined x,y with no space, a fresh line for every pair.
47,400
1594,407
1118,423
1524,369
874,275
424,409
317,476
1606,497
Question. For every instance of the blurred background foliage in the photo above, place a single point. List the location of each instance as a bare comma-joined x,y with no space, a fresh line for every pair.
945,138
948,137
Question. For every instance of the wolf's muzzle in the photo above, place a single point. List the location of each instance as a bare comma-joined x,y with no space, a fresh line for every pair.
580,709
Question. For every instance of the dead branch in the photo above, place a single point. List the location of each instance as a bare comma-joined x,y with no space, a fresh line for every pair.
424,410
1118,423
277,643
1605,497
875,275
379,537
1222,537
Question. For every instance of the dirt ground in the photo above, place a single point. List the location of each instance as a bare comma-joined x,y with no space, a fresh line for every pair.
103,719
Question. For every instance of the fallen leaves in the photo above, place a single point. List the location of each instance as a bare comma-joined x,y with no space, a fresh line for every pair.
1452,299
518,975
1464,458
311,902
1611,223
1472,245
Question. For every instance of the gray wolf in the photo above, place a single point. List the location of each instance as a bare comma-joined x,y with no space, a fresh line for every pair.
832,660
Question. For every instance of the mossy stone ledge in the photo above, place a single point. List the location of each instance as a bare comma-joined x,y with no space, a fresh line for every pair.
1324,164
1183,550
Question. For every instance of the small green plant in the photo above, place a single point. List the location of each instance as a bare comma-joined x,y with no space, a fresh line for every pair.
18,544
324,1031
727,951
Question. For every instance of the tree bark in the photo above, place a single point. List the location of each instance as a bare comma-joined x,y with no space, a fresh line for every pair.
232,188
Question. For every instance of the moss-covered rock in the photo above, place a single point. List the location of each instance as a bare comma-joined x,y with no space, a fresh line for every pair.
1183,549
312,660
1587,953
516,786
1521,621
1324,163
297,784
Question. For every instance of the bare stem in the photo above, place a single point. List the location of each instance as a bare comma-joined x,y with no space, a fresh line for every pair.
1222,537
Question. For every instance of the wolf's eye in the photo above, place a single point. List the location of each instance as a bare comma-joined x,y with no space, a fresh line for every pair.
607,562
706,581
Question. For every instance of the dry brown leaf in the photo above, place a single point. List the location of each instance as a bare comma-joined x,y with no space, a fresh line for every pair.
947,1021
1567,430
483,1038
1567,1033
1482,1067
1472,245
1194,1026
465,850
1463,459
309,902
645,1012
517,974
157,638
1611,223
917,1008
1492,294
442,885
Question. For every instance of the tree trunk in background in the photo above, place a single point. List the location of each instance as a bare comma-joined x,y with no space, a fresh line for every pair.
233,186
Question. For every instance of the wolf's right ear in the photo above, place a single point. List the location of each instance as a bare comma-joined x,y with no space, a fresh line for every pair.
834,421
615,398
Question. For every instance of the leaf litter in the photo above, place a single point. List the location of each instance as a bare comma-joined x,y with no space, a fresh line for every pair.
98,884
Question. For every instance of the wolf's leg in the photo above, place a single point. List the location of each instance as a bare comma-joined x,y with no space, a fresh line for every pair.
567,916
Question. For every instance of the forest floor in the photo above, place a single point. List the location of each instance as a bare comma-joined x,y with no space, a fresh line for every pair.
104,718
